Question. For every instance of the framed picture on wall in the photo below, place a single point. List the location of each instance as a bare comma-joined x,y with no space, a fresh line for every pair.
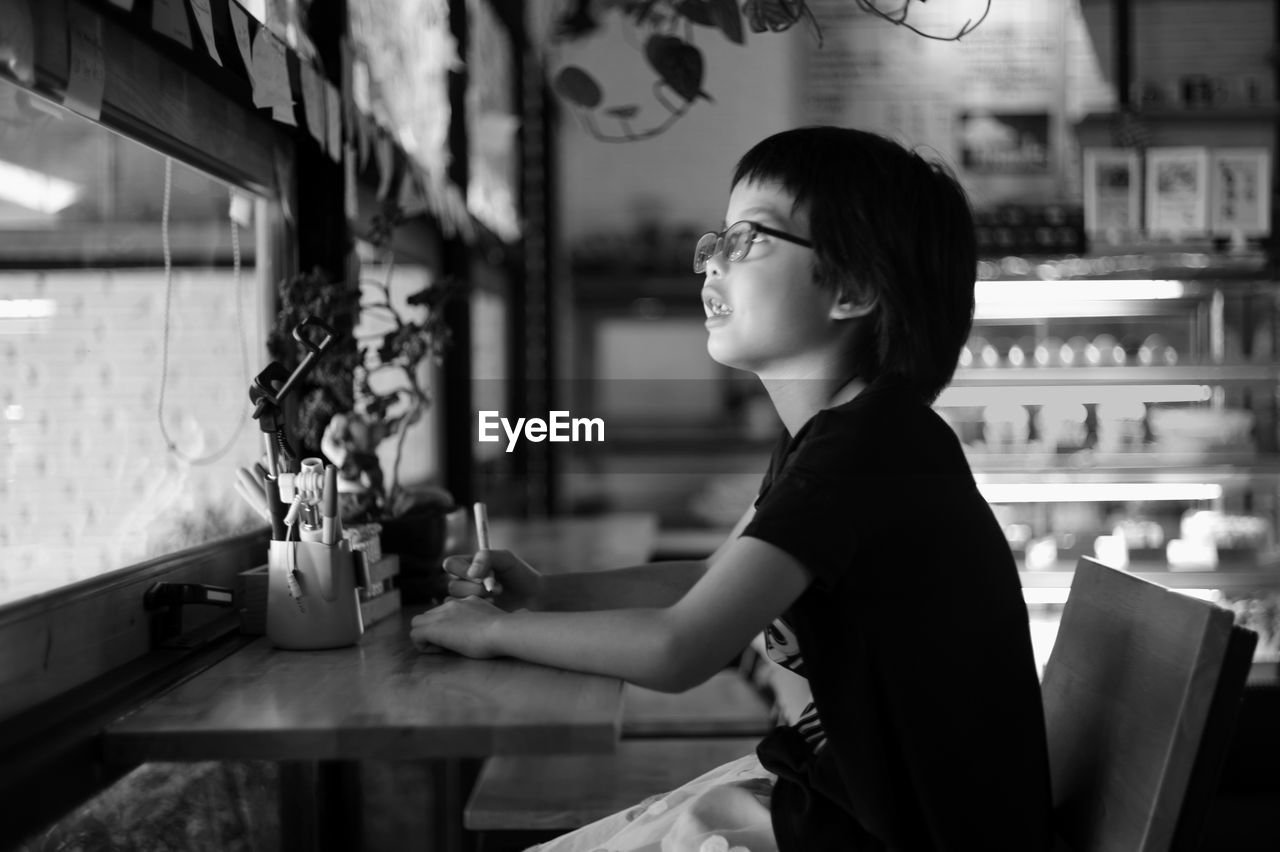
1239,192
1177,191
1112,192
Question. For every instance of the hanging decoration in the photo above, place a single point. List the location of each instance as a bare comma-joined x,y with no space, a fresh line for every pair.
898,17
665,31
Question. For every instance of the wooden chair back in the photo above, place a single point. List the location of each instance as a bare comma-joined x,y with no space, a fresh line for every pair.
1140,693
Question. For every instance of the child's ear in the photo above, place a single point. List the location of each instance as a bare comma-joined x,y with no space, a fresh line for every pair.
852,304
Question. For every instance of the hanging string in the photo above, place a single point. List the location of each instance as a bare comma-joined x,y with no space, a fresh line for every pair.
170,444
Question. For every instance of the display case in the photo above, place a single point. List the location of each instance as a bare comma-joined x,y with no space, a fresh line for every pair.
1125,407
1122,406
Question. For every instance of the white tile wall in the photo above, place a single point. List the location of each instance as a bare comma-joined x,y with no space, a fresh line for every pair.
87,483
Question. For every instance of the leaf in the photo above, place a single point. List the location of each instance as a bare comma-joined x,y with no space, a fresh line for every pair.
698,11
641,10
576,25
387,351
678,63
725,15
577,86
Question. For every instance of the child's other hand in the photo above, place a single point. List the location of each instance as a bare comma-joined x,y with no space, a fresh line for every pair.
515,584
463,625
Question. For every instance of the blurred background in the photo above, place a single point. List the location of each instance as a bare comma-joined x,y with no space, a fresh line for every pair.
498,201
494,204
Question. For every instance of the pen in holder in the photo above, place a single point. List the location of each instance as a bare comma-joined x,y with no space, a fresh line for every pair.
312,601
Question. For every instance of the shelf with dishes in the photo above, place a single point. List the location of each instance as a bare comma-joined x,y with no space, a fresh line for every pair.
1259,112
1125,408
1059,575
1029,380
1226,470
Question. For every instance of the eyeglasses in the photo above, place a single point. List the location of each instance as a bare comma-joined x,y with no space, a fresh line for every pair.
736,241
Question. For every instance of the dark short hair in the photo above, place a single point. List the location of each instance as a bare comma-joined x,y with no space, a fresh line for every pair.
889,224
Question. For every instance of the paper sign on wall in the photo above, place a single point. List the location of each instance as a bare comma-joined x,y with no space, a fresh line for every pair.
204,18
240,26
313,102
169,18
269,74
333,116
17,40
87,72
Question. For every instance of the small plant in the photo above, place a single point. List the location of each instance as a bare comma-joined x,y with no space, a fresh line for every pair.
345,412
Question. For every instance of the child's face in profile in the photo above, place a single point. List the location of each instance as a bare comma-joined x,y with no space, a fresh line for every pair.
764,314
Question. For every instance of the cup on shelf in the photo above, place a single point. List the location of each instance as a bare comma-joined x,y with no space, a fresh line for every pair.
1021,353
1121,425
1072,353
1063,426
1005,425
1155,351
1104,351
1048,352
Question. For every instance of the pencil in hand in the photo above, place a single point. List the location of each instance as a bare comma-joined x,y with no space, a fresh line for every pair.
482,543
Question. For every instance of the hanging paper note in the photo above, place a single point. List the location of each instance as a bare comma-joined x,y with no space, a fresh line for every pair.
169,18
386,154
313,102
364,138
269,74
87,72
17,40
284,174
360,86
204,19
240,26
349,201
333,116
348,104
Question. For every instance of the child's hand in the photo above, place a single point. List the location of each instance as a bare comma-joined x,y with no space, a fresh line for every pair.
463,625
515,584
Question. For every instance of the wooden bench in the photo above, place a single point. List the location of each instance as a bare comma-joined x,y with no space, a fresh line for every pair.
563,792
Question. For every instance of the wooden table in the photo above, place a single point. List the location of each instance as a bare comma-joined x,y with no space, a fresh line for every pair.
378,700
319,712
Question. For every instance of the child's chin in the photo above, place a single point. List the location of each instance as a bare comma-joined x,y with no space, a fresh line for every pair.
722,354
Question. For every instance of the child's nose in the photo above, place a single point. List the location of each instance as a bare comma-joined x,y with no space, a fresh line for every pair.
715,263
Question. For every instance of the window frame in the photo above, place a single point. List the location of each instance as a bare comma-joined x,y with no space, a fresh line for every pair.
81,654
74,658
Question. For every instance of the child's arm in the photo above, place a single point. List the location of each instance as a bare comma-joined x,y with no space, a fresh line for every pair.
655,584
670,649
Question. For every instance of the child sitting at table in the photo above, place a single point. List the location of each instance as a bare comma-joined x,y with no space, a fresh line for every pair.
843,278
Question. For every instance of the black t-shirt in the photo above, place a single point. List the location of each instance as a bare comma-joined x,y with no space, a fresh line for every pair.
915,641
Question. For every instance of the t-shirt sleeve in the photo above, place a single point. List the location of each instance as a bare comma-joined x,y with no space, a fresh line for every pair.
825,503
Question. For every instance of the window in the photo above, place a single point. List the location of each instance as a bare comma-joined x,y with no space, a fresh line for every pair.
123,384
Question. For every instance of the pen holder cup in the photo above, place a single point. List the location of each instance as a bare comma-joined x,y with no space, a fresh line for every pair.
320,608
